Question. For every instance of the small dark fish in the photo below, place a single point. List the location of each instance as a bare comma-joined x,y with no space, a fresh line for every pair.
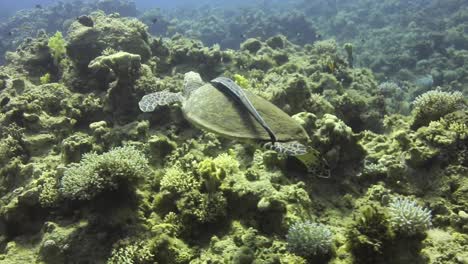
38,6
4,101
10,33
318,36
363,40
85,21
154,20
243,36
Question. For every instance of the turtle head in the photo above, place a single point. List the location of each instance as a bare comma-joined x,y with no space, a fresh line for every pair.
192,81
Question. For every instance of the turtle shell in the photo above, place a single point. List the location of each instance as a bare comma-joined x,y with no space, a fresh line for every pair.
213,110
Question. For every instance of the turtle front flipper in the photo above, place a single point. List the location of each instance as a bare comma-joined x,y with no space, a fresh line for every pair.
150,101
311,158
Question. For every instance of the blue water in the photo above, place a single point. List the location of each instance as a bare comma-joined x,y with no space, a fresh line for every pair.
8,7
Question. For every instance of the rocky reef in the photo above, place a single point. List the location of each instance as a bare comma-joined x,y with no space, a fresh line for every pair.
86,177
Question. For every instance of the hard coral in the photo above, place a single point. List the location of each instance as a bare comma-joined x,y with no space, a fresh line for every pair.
175,180
213,171
407,217
95,173
433,105
309,239
241,81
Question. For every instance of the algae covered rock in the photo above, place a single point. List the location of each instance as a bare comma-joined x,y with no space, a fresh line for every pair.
122,34
122,64
340,144
34,55
251,45
125,68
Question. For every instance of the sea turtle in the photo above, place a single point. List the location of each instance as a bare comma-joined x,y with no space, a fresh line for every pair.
218,107
231,88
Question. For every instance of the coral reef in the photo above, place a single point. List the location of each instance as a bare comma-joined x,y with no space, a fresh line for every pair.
86,177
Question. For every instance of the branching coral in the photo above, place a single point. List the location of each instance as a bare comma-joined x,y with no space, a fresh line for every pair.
433,105
177,181
95,173
407,217
309,239
139,252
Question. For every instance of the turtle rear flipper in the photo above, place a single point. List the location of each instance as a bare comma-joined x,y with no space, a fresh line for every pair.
311,158
150,101
292,148
316,165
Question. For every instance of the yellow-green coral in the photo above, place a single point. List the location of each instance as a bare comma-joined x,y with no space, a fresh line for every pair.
56,45
49,192
213,171
202,207
138,252
45,79
241,81
177,181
